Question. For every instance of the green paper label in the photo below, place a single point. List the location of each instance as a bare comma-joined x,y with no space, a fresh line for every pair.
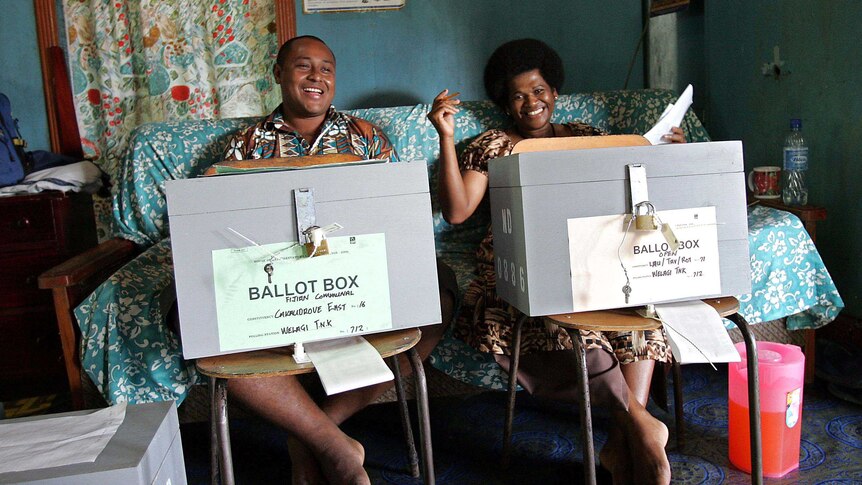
274,295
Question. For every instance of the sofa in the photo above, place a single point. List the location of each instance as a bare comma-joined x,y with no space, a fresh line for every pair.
127,350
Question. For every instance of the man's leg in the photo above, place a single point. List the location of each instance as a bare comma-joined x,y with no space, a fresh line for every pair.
317,443
341,406
284,402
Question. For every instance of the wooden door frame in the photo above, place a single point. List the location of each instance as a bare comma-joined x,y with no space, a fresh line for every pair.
47,36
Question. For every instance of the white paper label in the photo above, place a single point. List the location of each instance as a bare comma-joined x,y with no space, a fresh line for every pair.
656,272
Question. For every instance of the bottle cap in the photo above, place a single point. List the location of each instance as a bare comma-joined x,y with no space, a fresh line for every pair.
795,124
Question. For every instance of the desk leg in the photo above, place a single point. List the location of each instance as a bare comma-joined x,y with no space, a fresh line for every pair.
810,344
424,415
214,448
586,415
413,458
678,402
220,404
513,385
753,400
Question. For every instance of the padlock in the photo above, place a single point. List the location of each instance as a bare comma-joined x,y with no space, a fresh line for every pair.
316,239
322,249
645,222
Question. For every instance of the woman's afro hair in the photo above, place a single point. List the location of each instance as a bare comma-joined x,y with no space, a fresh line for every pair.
516,57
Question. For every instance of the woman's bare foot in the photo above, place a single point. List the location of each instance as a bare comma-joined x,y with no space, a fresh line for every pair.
304,469
341,462
616,458
647,437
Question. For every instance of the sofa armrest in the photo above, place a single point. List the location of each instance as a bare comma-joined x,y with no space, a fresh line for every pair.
96,263
70,282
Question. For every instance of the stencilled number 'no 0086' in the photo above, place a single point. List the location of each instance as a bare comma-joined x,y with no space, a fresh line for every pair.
505,268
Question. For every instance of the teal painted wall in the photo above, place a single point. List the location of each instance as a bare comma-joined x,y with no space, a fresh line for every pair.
21,74
407,56
820,44
397,57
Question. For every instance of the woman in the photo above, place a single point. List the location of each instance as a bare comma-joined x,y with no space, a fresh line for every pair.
523,78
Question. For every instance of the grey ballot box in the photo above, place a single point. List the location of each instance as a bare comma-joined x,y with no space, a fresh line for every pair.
388,198
540,191
146,450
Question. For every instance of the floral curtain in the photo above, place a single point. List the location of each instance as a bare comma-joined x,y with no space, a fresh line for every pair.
138,61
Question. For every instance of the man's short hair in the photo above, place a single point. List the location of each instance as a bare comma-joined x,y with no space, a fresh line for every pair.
285,48
516,57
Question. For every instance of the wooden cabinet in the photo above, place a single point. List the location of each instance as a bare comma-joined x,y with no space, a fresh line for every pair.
36,232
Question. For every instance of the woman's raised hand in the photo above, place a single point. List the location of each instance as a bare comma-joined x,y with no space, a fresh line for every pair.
676,135
442,114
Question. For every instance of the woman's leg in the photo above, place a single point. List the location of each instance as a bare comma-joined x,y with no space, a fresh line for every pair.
645,436
638,376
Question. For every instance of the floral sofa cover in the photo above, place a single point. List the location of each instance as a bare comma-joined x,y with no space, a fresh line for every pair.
132,356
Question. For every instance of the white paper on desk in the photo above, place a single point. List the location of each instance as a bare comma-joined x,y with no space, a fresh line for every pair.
696,333
52,442
347,363
671,117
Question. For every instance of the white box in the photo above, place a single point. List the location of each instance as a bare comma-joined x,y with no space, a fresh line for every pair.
538,192
384,200
146,450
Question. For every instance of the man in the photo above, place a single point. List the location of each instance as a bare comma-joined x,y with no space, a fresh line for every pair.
307,124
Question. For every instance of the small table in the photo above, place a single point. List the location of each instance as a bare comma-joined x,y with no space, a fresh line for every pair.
279,362
810,215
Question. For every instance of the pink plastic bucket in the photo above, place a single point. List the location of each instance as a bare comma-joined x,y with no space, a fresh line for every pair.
782,371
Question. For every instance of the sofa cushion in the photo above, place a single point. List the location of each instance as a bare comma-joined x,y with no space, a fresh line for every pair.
129,352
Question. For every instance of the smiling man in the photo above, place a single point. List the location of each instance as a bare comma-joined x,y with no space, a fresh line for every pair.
306,123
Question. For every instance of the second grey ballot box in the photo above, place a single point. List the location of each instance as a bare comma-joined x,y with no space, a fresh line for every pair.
534,196
244,283
145,450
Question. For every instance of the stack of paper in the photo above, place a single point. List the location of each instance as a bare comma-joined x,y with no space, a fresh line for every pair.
52,442
347,363
672,116
696,333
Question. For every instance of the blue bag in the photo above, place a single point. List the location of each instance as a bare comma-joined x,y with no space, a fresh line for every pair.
14,162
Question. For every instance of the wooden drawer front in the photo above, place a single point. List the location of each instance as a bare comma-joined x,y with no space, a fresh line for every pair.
18,280
30,346
25,221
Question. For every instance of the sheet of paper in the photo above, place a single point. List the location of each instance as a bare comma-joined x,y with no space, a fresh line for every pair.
672,116
347,363
599,247
274,295
696,333
51,442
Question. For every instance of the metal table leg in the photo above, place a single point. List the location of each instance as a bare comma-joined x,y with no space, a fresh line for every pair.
679,413
214,448
586,415
412,456
753,400
220,405
513,385
424,415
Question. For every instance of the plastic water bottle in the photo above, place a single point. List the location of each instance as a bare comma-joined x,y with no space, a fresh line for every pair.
794,189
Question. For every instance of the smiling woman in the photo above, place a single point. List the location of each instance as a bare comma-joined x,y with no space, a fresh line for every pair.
523,78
